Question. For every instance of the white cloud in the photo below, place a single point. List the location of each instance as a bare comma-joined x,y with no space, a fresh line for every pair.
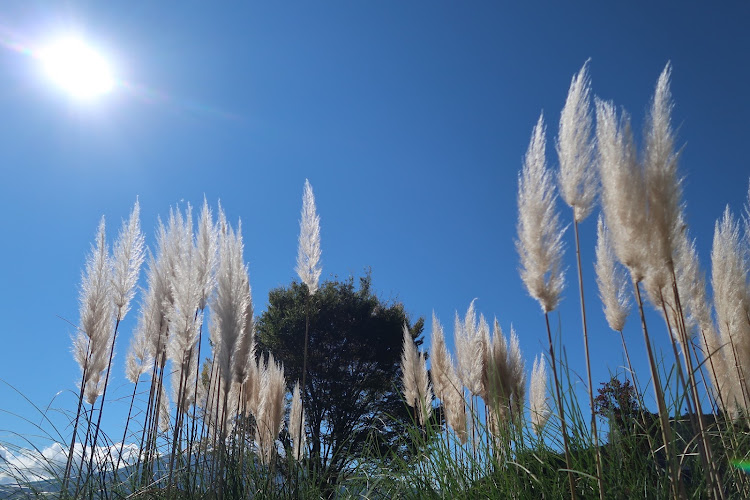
24,465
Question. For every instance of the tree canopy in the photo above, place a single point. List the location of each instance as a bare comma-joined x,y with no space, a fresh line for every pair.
353,391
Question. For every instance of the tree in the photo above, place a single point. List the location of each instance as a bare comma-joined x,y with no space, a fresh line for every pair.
353,392
618,401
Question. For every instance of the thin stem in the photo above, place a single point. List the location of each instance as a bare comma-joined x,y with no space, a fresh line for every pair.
191,436
588,367
69,463
304,373
124,434
104,395
178,417
83,453
678,489
207,416
561,411
714,477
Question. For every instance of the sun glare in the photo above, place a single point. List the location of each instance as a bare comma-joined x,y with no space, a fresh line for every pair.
77,68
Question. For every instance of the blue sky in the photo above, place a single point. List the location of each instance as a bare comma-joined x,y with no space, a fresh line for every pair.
410,119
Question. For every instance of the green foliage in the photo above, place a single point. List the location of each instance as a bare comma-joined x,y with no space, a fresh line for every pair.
353,368
617,400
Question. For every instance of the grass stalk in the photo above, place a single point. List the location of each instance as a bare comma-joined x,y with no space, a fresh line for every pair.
678,490
177,421
561,411
594,430
304,371
69,462
104,395
191,435
125,432
712,469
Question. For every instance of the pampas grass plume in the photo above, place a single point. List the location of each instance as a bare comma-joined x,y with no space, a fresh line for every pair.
297,423
308,254
409,362
664,187
448,387
517,374
207,258
729,271
128,256
539,241
575,148
611,280
539,405
92,344
469,351
271,410
229,307
623,189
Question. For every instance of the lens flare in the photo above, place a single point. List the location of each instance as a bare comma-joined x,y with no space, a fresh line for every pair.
743,465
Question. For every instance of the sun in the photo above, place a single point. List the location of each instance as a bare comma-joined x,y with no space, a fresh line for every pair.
77,68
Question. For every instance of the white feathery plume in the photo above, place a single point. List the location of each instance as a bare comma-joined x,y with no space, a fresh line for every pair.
128,255
664,194
691,283
153,318
183,286
184,322
409,362
308,253
623,189
159,298
485,345
539,241
207,257
417,389
139,357
229,305
469,351
663,185
256,372
271,411
517,374
441,363
424,390
538,402
164,410
729,271
575,149
245,347
497,372
448,387
93,341
169,240
462,349
297,424
611,280
455,410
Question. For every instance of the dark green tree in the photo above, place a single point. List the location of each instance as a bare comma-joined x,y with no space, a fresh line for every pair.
618,401
353,393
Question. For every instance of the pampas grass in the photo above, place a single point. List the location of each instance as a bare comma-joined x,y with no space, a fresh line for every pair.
543,447
308,268
539,409
540,250
416,385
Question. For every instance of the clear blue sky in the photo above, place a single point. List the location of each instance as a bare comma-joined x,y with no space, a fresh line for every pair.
410,119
